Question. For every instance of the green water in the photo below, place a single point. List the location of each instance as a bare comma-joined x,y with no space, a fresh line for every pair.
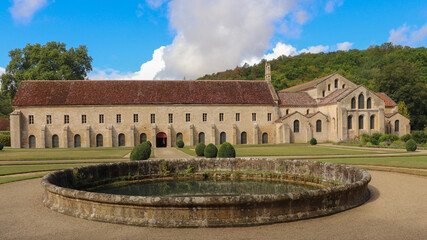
209,187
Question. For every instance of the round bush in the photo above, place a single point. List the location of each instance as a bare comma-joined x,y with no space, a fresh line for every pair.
210,151
406,137
149,143
313,141
141,152
5,140
180,144
1,146
200,149
226,151
411,145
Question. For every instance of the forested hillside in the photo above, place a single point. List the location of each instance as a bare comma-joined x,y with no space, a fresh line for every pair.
400,72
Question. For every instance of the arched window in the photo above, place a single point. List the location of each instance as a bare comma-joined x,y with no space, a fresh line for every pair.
179,137
264,138
99,140
372,122
350,122
323,94
361,122
77,141
296,126
329,87
32,141
142,138
202,137
121,140
222,137
361,101
353,103
319,125
55,141
396,126
336,83
369,103
243,138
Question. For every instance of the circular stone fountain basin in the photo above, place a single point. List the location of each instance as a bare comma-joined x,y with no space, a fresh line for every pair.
333,188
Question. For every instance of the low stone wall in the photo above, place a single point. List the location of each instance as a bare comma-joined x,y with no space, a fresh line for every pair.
62,193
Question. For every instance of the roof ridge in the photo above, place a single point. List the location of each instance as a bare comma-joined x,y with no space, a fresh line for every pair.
311,81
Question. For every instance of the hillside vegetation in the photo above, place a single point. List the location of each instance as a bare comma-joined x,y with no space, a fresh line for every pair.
400,72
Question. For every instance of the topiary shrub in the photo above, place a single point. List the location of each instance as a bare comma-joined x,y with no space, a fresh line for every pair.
210,151
180,144
313,141
226,151
411,145
141,152
149,143
200,149
1,146
406,137
5,140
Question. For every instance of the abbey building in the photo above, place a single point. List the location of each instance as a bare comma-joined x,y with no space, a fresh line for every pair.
69,114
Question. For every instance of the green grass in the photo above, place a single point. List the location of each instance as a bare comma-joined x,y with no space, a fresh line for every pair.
7,170
19,178
409,161
397,170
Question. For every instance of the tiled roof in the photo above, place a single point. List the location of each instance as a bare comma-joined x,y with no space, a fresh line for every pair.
306,85
389,115
296,99
388,101
4,124
334,96
123,92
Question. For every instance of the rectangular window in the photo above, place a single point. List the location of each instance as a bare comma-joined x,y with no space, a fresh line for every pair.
31,119
66,119
205,117
221,117
269,117
253,117
118,118
170,118
135,118
237,117
48,119
101,118
153,118
83,118
187,117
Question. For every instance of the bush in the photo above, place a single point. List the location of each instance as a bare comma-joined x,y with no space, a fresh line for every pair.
369,144
180,144
149,143
375,138
419,137
200,149
365,138
141,152
411,145
383,144
226,151
406,137
1,146
5,140
313,141
388,138
210,151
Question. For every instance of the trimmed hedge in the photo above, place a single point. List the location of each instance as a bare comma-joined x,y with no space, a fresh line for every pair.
226,151
313,141
180,144
211,151
406,137
141,152
200,149
411,145
5,140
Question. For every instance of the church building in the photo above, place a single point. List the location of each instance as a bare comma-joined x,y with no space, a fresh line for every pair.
114,113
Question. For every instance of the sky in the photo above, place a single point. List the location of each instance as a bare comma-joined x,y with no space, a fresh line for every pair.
186,39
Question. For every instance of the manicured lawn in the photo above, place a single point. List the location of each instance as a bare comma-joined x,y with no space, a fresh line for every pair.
409,161
19,178
6,170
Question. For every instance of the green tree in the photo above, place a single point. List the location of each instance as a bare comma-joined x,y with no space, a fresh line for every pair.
403,109
45,62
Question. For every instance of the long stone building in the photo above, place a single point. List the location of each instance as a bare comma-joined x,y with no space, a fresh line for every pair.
70,114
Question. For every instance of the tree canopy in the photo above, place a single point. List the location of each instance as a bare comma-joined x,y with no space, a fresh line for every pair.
400,72
51,61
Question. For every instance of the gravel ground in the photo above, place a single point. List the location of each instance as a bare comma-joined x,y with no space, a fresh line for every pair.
396,210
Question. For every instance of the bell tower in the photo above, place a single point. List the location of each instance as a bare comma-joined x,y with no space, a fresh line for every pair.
267,72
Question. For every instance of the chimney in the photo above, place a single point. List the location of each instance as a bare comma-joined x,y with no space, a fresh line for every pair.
267,72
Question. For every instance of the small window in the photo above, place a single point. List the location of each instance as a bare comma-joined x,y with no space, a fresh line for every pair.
221,117
153,118
253,117
296,126
329,87
170,118
268,117
48,119
323,94
83,119
31,119
101,118
319,125
264,138
222,137
205,117
361,101
396,126
353,103
187,117
308,111
287,111
118,118
179,137
350,122
135,118
369,103
336,83
243,138
142,138
202,137
66,119
372,122
343,86
237,117
361,122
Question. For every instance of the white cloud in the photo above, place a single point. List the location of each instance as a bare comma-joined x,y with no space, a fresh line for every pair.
315,49
408,35
302,16
155,3
332,4
279,50
24,10
2,70
344,46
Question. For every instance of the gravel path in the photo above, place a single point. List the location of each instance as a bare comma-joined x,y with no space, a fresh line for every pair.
396,210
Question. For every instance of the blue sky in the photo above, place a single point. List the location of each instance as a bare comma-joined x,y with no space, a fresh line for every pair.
146,39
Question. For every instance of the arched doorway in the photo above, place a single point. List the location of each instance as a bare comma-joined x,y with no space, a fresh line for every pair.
77,141
264,138
32,141
161,139
142,138
202,137
121,140
222,137
243,138
55,141
99,140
